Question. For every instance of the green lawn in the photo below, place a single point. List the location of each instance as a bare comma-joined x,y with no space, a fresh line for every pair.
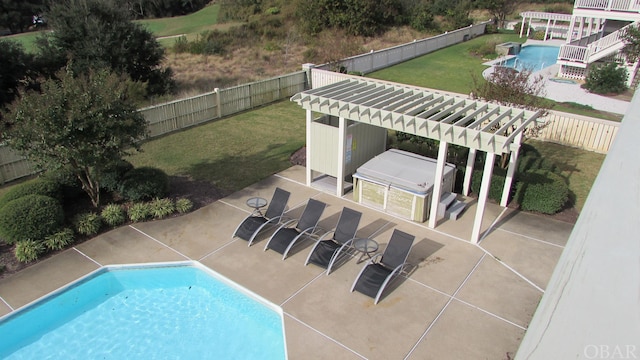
231,153
448,69
188,24
579,167
453,68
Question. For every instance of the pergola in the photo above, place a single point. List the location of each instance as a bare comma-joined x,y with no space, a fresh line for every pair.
451,119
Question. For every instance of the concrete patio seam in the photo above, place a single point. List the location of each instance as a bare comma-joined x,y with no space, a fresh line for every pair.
216,250
324,335
6,303
489,229
511,269
302,288
531,238
87,256
451,297
160,242
490,314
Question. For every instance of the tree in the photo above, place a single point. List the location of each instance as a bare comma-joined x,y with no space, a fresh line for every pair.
507,86
14,65
17,15
499,9
84,122
99,33
631,39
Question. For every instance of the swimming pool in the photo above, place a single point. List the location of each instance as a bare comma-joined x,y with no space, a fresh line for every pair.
182,311
534,57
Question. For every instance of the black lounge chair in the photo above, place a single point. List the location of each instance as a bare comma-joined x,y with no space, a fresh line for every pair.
287,235
375,276
327,251
253,224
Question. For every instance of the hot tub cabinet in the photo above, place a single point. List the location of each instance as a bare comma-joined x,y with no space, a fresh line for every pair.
400,183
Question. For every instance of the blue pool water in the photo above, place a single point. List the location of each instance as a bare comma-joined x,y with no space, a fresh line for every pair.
534,57
175,312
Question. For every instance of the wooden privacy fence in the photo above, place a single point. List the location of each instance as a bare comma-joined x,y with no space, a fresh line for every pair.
380,59
184,113
181,114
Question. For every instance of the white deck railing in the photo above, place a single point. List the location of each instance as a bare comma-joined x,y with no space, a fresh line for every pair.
609,5
595,50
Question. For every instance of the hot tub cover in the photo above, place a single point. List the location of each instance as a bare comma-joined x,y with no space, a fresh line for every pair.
404,170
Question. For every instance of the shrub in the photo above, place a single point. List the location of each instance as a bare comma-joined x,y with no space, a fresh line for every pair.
139,212
34,187
113,215
30,217
542,191
65,177
497,183
87,223
160,208
28,250
59,240
605,79
183,205
144,183
111,176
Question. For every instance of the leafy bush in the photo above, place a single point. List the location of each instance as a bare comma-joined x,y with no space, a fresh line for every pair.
497,183
30,217
35,187
87,223
70,186
144,183
160,208
59,240
139,212
28,250
113,215
606,79
542,191
184,205
111,176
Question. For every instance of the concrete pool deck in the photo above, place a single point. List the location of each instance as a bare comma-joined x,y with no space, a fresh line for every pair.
461,301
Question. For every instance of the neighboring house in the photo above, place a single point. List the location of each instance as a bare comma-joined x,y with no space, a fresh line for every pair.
593,34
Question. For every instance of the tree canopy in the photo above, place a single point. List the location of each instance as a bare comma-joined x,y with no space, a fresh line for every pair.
98,33
84,122
14,65
17,15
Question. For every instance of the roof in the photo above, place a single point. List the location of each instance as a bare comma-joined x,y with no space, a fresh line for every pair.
458,120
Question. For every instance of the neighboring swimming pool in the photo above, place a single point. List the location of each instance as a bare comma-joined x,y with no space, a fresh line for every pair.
534,57
181,311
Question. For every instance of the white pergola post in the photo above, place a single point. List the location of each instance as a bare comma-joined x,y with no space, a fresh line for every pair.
524,21
529,27
546,30
437,183
468,172
308,160
342,138
482,197
581,28
511,170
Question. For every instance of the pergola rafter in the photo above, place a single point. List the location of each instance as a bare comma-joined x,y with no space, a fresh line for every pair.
421,112
458,120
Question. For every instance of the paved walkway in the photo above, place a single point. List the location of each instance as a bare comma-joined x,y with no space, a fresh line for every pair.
461,301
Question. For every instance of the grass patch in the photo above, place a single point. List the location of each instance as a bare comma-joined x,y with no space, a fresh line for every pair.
452,69
197,22
231,153
447,69
578,167
28,40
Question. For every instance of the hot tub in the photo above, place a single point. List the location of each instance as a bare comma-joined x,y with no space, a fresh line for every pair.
400,183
